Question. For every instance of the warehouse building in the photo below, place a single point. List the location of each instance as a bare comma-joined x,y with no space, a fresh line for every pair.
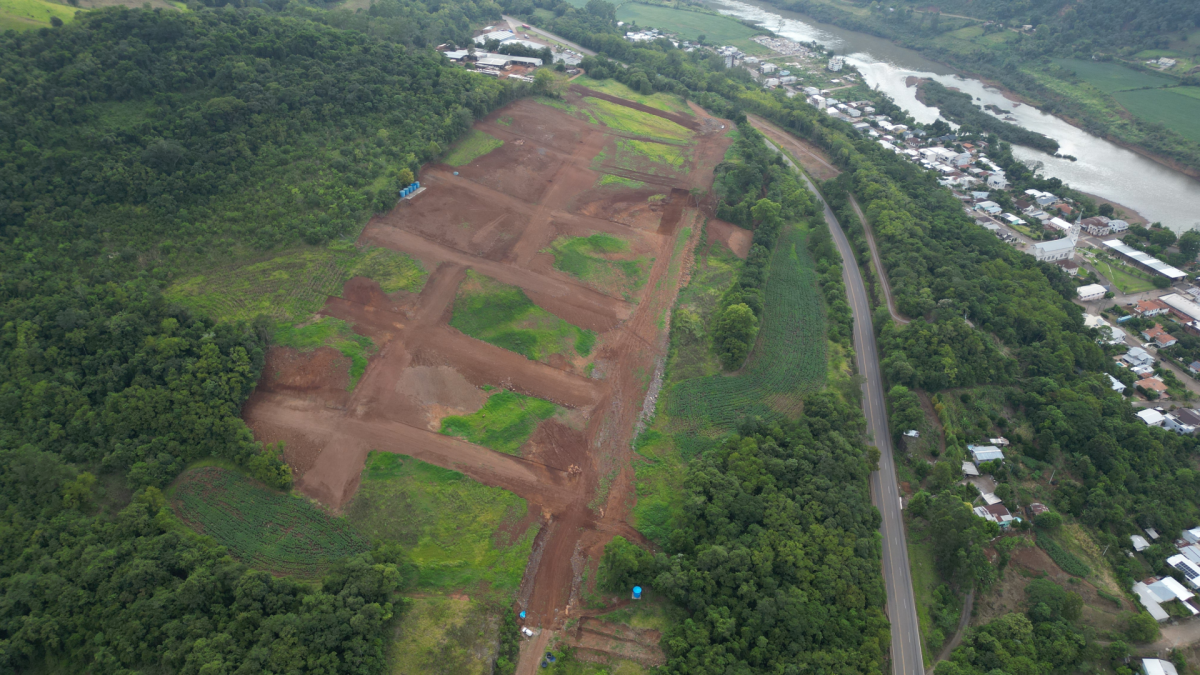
1184,309
1144,261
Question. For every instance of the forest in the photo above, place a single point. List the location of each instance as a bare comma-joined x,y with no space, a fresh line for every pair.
136,146
958,107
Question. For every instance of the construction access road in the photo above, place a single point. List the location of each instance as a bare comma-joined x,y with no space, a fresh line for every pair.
885,493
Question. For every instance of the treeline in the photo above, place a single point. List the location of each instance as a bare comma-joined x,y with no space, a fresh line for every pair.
135,145
958,107
776,560
758,191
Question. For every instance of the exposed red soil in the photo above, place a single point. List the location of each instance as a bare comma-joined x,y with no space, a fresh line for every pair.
733,237
495,217
813,159
600,641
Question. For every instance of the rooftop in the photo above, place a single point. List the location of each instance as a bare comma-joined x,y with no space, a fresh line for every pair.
1145,259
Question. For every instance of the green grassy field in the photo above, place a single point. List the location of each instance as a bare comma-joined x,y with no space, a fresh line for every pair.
620,181
788,360
444,636
330,332
1110,77
1124,278
503,424
1177,111
263,528
449,524
473,145
660,100
925,578
716,29
631,152
292,285
632,121
504,316
583,258
26,14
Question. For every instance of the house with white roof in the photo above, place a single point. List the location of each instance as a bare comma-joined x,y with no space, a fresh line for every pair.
1151,417
1190,570
1192,535
1117,385
1158,667
1139,542
969,469
1136,356
1090,292
1153,593
985,453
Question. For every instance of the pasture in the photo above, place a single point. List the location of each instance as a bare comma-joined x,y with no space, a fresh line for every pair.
504,316
503,424
1177,108
1111,77
691,25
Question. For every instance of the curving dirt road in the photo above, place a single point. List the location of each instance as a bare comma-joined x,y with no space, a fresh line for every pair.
878,261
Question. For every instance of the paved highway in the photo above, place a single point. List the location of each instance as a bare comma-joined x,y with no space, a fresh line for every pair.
897,577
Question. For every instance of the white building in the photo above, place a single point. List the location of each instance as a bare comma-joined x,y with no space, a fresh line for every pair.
1181,307
1182,421
1058,249
997,181
768,68
1139,542
985,453
1158,667
836,63
1091,292
1190,570
501,35
1151,417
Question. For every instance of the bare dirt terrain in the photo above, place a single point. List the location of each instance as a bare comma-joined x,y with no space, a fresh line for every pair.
496,217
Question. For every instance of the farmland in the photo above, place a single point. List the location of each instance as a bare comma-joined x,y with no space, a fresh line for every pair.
261,527
585,258
292,286
630,151
449,524
788,360
1174,109
330,332
1111,77
27,14
664,102
471,147
637,122
691,25
504,316
503,424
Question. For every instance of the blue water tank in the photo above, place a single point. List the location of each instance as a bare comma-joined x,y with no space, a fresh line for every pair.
637,592
522,614
417,184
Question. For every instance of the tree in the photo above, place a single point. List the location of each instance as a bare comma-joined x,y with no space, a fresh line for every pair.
543,81
1048,520
1189,244
626,565
1141,627
601,10
734,333
56,22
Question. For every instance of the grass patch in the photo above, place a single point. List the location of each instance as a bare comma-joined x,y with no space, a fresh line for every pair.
788,360
444,636
504,316
1067,561
26,14
450,524
473,145
610,179
662,101
925,579
689,25
1123,277
1110,77
1178,112
503,424
330,332
584,258
631,153
293,285
622,118
261,527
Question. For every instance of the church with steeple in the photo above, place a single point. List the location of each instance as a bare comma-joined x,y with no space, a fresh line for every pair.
1058,249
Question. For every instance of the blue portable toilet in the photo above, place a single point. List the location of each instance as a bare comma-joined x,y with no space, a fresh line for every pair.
637,592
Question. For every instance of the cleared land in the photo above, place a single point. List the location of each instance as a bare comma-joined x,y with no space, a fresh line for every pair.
532,222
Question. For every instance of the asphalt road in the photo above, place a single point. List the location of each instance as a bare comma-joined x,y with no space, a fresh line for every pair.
515,24
885,493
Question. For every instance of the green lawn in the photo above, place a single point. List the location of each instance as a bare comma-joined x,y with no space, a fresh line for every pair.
294,284
449,524
925,578
503,315
473,145
716,29
503,424
26,14
1125,279
623,118
1177,111
1109,77
590,259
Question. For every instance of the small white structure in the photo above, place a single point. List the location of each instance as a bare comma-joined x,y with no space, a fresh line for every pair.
1117,386
969,469
990,498
1151,532
1091,292
1192,535
1001,442
1136,356
1158,667
1139,542
499,35
985,453
1190,570
1150,601
1151,417
768,68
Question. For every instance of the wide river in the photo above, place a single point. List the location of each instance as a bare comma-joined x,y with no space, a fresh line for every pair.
1155,191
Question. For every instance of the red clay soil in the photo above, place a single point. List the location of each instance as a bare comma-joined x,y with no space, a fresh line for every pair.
600,641
813,159
734,238
485,219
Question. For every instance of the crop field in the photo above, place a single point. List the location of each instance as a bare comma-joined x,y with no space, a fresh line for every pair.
261,527
292,286
637,122
788,360
1110,77
1177,111
474,145
660,100
504,316
26,14
629,151
503,424
582,257
330,332
691,25
450,524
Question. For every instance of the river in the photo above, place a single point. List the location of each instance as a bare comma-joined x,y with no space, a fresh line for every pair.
1157,192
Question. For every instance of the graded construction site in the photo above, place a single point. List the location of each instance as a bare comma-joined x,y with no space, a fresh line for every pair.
568,170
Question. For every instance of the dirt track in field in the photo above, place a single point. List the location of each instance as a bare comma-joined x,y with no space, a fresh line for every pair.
496,217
